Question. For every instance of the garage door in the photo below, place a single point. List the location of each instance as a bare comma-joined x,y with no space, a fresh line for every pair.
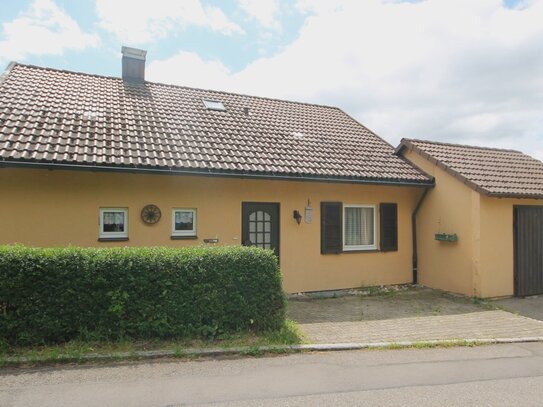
528,225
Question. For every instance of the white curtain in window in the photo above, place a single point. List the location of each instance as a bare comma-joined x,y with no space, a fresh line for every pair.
109,218
119,218
183,217
114,220
353,226
184,220
359,226
368,227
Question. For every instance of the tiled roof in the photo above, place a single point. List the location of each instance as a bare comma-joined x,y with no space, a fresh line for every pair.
491,171
56,117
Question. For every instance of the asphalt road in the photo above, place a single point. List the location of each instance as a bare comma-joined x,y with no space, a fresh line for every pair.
487,375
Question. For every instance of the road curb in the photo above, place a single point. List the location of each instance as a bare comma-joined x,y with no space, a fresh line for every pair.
257,350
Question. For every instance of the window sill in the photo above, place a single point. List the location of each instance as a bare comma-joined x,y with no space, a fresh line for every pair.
353,251
113,239
360,251
184,237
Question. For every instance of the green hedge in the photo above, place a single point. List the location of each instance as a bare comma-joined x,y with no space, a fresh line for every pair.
55,295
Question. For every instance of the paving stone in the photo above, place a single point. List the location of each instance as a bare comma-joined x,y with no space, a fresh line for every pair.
476,325
415,314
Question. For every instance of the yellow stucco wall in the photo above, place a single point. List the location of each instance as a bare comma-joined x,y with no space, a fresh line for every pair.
447,208
56,208
481,263
497,252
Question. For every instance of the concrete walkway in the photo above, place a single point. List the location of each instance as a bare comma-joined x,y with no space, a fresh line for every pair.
475,325
411,314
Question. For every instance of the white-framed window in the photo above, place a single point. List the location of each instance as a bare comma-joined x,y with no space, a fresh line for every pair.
359,227
183,222
113,223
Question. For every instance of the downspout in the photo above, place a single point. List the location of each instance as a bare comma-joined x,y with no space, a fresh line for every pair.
414,231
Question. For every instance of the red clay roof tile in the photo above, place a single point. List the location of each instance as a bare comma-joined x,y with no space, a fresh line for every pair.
491,171
59,117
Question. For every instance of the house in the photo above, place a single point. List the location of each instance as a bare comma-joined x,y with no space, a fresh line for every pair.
480,230
90,160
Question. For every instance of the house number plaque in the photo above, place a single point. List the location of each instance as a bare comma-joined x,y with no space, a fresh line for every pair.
308,214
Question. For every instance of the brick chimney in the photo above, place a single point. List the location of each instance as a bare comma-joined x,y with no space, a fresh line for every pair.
133,64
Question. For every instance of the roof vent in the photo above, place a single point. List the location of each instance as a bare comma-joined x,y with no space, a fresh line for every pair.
133,64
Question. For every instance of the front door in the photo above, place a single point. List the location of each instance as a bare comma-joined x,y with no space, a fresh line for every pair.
260,225
528,250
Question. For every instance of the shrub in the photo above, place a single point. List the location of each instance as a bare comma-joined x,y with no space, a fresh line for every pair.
55,295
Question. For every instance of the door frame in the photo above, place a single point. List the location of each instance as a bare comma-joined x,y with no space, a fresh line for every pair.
244,224
515,251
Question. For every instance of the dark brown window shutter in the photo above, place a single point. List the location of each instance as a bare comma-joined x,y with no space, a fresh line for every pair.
331,227
388,215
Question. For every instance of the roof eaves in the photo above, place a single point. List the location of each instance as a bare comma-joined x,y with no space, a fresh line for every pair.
207,172
513,195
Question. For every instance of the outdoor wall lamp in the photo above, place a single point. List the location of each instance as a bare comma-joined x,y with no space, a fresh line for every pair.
298,216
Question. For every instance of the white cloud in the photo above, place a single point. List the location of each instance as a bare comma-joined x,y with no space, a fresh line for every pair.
264,12
139,22
218,21
44,29
453,70
191,71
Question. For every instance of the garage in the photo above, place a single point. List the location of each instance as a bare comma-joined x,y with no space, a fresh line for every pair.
479,231
528,229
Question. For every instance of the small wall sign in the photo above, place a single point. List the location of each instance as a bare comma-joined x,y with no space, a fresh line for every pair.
308,214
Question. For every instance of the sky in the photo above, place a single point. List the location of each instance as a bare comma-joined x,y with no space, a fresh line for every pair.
459,71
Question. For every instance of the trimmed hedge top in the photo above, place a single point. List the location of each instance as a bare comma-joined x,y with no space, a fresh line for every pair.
55,295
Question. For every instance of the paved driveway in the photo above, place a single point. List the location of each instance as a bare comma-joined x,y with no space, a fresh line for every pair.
412,314
402,302
529,306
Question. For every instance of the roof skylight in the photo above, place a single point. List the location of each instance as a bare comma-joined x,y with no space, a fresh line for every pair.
214,105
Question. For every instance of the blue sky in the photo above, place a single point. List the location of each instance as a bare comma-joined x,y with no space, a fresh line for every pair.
452,70
235,50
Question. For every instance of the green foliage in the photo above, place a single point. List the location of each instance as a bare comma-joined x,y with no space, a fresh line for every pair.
288,334
56,295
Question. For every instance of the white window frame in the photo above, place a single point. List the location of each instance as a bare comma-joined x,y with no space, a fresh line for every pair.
194,225
113,235
347,248
213,104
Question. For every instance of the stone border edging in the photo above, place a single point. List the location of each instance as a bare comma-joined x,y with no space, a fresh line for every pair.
246,350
